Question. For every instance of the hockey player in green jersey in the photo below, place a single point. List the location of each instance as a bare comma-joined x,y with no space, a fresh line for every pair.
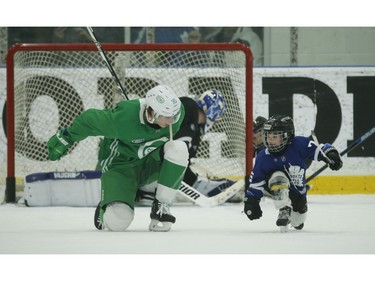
137,150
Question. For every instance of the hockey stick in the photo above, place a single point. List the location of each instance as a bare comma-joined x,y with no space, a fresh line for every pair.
204,201
106,60
348,149
184,189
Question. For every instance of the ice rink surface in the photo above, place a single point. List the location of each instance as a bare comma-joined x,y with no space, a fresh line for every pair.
339,226
335,225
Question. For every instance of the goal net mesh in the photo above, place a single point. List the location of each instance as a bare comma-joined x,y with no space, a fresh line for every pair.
53,86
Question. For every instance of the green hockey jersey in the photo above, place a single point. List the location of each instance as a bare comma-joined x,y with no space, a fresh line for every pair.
128,137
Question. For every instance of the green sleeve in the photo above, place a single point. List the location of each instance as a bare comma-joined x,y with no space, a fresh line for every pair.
93,122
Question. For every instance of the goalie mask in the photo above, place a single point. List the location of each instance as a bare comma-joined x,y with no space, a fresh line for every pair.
164,102
213,105
278,132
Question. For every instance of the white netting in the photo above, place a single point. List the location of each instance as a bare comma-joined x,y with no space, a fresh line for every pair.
52,87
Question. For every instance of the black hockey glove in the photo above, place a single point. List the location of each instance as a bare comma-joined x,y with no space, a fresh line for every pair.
333,155
252,208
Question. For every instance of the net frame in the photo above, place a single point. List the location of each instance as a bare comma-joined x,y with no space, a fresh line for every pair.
11,177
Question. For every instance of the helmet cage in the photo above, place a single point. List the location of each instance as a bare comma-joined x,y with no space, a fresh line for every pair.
274,148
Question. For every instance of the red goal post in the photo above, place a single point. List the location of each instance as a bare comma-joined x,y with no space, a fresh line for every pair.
48,85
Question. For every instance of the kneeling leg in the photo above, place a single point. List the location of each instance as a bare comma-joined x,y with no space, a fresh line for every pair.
118,216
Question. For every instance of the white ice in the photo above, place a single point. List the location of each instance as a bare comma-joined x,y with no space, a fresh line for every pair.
336,224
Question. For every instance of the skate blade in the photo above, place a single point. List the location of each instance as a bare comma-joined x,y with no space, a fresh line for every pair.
159,226
283,228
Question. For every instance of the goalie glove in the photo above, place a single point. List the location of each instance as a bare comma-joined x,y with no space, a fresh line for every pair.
252,208
59,144
212,187
335,157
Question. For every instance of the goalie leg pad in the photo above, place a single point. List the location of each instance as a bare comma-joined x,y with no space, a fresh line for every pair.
212,187
118,216
76,189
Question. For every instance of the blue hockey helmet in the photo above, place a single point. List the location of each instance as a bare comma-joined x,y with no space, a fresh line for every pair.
213,105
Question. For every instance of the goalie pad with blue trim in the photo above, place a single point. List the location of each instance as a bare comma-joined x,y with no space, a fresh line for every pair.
74,189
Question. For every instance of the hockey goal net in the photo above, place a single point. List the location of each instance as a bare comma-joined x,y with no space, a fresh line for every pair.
48,85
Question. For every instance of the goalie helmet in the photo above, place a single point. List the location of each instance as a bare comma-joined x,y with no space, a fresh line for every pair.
213,105
282,126
164,102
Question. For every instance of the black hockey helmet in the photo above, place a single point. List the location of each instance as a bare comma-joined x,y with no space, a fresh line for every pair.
258,123
280,125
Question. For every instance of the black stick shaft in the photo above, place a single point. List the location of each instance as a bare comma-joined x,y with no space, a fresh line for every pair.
106,60
348,149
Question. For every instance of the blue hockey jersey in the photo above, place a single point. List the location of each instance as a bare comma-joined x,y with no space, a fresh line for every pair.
291,161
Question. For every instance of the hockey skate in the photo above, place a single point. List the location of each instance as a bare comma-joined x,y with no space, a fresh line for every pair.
284,218
161,217
297,219
299,227
98,217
